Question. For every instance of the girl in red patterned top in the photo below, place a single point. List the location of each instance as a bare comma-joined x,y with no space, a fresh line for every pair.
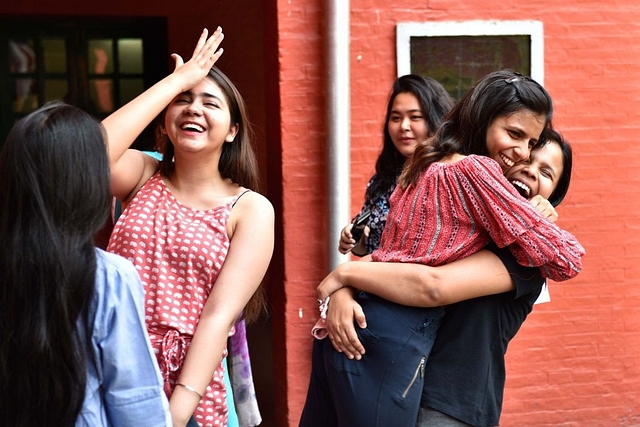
191,224
452,199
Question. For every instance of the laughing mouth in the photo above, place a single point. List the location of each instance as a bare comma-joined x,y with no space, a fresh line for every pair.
522,188
192,127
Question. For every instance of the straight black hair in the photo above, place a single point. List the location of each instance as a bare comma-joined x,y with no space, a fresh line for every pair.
435,102
551,136
54,190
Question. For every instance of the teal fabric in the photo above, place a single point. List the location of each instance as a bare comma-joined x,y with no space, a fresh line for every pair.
233,416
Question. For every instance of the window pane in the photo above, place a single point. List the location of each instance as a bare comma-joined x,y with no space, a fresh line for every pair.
55,89
129,89
130,56
55,55
101,93
25,96
100,56
459,61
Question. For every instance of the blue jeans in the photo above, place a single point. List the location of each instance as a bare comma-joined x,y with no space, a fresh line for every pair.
384,387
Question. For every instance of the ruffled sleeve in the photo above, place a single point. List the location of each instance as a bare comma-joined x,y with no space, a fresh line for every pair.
511,221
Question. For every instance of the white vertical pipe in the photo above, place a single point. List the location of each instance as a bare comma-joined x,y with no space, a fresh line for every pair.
338,125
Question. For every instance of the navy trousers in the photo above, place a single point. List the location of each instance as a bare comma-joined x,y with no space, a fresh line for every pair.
384,387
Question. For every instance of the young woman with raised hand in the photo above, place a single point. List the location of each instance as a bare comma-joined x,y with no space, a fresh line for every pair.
416,108
199,236
73,343
451,201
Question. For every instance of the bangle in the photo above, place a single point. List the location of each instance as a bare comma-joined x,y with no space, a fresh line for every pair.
191,389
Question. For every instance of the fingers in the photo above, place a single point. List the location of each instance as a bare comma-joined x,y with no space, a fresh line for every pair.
544,207
344,337
210,51
178,61
206,52
201,41
346,242
359,317
346,341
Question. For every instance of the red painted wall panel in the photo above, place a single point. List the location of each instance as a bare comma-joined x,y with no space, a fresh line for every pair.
575,362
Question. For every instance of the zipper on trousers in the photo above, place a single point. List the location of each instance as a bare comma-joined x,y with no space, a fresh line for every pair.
419,371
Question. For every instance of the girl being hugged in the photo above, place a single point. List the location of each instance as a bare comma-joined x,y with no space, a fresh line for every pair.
192,224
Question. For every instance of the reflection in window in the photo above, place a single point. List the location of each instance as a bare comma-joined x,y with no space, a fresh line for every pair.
100,54
102,95
22,60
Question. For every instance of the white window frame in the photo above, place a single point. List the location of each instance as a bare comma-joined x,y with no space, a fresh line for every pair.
533,29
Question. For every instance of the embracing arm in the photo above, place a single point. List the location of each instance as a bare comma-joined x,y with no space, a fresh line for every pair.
416,285
251,245
131,168
419,285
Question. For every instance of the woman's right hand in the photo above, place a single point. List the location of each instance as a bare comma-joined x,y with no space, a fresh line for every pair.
343,310
347,243
205,55
544,207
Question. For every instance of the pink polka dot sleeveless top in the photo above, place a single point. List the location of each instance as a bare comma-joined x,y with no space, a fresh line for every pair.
178,252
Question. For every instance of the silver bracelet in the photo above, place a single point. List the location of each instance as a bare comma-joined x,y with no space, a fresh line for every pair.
191,389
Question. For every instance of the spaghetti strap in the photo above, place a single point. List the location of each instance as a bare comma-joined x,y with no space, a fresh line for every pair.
238,198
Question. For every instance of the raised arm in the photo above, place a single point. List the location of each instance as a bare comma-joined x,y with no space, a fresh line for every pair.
131,168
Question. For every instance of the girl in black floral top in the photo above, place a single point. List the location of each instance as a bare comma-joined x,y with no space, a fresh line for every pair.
415,110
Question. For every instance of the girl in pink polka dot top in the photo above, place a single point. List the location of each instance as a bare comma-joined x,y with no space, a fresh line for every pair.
200,239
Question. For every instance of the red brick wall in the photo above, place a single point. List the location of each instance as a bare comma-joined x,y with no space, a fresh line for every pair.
575,361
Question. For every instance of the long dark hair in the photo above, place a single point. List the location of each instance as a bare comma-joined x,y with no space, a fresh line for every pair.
464,130
551,136
238,161
54,189
435,103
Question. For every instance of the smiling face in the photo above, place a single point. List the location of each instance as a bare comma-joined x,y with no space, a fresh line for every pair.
199,118
407,125
540,173
510,138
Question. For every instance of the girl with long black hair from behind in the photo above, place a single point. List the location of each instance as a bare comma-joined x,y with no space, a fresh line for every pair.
73,346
